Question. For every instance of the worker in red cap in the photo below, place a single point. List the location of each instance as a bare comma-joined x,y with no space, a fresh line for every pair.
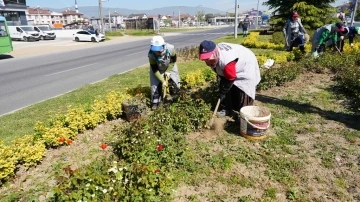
239,73
294,33
325,36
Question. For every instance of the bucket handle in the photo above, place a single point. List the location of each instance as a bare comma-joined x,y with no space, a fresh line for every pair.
254,126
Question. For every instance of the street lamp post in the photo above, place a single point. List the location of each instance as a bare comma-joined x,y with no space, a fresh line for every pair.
257,16
101,17
38,10
179,18
197,15
236,19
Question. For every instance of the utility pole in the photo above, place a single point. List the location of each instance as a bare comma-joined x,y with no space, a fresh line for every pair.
101,17
179,17
38,20
355,3
257,16
236,19
109,21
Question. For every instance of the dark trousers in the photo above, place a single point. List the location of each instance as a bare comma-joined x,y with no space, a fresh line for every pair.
298,41
236,99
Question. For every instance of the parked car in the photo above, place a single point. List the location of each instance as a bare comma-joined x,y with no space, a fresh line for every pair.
24,33
45,32
87,35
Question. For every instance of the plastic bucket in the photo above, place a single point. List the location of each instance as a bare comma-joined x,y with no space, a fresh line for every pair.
254,122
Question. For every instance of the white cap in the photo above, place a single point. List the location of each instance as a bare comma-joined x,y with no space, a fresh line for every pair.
157,43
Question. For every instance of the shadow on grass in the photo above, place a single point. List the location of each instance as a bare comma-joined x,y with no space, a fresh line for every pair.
351,121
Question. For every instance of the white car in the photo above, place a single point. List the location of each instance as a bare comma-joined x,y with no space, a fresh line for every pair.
87,35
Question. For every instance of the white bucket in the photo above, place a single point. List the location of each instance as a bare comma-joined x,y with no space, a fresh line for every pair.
254,121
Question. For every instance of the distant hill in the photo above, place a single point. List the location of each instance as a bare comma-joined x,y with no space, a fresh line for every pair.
90,11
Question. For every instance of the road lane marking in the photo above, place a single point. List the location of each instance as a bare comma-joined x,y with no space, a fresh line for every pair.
70,69
137,53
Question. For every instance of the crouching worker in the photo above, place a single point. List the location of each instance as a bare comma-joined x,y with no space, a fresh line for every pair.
239,73
351,33
161,56
327,34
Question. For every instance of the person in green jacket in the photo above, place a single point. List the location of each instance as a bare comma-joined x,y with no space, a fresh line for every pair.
161,56
327,34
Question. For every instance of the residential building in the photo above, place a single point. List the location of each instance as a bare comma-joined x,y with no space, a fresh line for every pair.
38,16
71,16
117,18
14,11
138,16
57,18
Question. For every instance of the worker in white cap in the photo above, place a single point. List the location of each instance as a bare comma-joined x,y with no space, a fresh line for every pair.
161,56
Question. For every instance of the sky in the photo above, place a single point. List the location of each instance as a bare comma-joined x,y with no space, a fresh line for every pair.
224,5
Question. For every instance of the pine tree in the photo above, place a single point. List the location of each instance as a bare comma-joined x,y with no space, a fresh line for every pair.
313,13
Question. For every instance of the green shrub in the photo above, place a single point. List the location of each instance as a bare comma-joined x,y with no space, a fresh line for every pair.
150,152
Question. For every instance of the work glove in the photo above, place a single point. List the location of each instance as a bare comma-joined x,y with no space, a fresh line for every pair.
352,45
221,97
225,86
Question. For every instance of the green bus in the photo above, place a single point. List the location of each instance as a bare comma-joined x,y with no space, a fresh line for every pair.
5,39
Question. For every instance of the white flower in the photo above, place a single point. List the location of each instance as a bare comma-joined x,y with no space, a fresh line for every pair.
126,181
111,188
121,169
93,195
113,169
104,191
159,140
87,185
79,201
113,181
96,188
114,162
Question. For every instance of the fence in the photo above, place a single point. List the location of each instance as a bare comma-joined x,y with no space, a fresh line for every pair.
139,23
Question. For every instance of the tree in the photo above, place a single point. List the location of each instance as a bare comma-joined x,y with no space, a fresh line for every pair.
208,16
313,13
357,16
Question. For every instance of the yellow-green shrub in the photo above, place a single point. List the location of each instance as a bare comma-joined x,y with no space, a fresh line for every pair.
28,151
139,91
51,135
194,79
7,161
78,120
110,108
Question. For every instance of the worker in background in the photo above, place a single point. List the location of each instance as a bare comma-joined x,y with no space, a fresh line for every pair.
294,33
326,35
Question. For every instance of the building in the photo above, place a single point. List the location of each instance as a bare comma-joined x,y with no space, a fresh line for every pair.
117,18
14,11
57,18
71,16
39,16
138,16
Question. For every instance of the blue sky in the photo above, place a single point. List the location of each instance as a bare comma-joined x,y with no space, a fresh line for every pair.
224,5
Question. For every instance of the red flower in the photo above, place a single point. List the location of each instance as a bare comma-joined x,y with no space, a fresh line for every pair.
157,171
160,147
62,139
69,141
103,146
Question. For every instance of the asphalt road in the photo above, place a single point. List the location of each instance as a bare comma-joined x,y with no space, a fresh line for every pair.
26,81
